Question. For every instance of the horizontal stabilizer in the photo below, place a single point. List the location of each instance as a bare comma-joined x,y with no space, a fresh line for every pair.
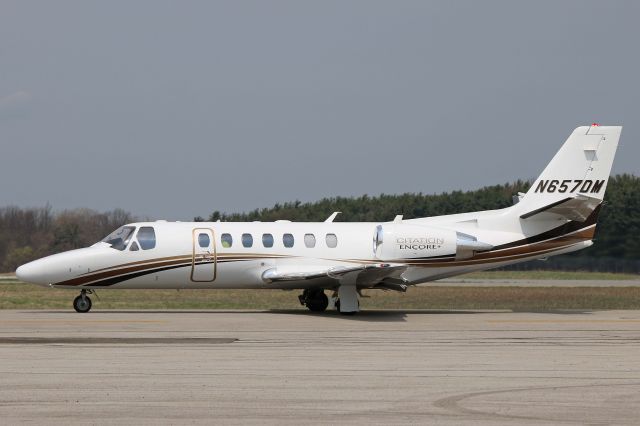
577,208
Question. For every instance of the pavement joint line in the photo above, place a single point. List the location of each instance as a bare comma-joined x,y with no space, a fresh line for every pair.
84,321
20,340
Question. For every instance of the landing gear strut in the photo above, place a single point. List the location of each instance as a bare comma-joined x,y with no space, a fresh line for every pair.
347,302
314,299
82,303
337,305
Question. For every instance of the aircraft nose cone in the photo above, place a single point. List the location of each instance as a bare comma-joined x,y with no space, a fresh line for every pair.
20,273
32,272
56,268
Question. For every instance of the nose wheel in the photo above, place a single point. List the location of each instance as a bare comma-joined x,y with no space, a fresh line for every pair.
82,303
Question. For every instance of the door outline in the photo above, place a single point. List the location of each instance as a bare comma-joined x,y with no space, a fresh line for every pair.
203,256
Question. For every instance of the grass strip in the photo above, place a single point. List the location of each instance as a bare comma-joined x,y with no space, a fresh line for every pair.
16,295
549,275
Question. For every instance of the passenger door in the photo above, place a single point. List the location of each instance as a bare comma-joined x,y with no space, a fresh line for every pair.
203,265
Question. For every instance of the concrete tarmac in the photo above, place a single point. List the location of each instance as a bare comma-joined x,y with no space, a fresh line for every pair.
292,367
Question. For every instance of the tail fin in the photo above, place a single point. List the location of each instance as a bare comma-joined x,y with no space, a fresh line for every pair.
575,180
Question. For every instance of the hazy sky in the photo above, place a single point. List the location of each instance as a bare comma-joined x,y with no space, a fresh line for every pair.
176,109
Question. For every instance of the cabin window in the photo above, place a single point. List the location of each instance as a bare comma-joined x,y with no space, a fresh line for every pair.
203,240
119,238
247,240
267,240
310,240
332,240
287,240
134,246
227,240
146,237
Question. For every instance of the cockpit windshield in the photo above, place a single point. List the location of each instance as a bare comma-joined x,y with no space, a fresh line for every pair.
120,237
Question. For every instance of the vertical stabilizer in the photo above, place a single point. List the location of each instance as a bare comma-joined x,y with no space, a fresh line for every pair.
579,170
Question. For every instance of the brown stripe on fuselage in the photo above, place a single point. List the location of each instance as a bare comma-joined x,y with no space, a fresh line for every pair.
84,279
573,238
487,261
140,262
185,256
512,253
153,264
505,252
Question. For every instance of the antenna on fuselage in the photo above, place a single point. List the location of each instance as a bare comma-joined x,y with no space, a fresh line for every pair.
333,216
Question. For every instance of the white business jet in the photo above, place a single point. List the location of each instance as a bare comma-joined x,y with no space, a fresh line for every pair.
557,215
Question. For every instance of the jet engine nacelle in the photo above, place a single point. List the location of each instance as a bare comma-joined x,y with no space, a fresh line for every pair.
396,241
393,241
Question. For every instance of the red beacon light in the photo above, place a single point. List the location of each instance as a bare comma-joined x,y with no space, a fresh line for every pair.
594,125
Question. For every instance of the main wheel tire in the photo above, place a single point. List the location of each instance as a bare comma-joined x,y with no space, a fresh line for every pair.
82,304
318,303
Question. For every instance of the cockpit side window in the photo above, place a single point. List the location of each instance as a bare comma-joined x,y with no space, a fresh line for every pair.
119,238
146,237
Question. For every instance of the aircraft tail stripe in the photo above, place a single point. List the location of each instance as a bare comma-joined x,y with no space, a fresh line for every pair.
528,251
565,229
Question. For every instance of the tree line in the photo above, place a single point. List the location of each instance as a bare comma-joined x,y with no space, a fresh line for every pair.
30,233
617,239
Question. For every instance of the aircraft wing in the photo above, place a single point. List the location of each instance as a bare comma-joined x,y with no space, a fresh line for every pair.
577,208
369,275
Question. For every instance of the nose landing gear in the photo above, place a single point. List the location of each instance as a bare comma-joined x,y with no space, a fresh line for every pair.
82,303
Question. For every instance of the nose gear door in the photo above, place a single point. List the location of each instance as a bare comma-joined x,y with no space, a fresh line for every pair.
203,264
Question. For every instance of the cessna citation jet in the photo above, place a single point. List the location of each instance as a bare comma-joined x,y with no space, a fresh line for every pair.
557,215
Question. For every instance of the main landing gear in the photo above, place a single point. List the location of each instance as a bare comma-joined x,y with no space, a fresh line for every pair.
314,299
345,300
82,303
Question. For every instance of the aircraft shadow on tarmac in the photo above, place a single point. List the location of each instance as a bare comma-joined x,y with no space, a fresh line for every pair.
399,315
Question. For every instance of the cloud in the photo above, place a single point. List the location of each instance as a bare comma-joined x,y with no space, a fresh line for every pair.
15,105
